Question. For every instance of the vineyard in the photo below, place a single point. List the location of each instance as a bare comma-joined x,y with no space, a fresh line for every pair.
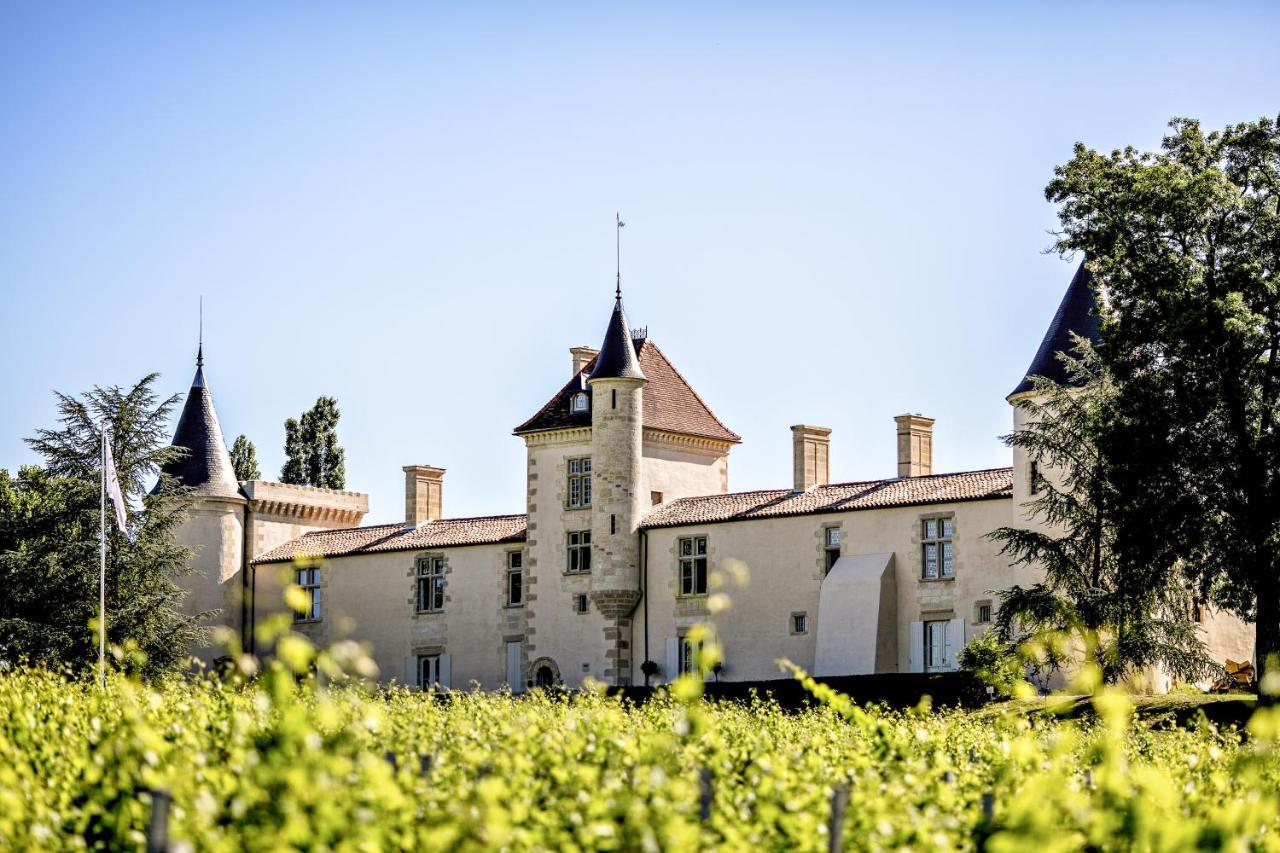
282,761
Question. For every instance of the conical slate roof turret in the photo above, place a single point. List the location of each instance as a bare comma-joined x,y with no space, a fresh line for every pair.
617,358
1076,313
206,469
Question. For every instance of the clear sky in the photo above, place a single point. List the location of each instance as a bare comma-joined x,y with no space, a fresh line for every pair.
835,212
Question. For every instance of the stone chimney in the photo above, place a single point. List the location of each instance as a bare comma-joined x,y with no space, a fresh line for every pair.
915,445
582,357
809,456
423,487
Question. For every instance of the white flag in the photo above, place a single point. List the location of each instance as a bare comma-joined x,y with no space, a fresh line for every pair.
113,487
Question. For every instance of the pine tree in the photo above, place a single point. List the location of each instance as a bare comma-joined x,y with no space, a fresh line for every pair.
244,459
313,456
49,521
1093,584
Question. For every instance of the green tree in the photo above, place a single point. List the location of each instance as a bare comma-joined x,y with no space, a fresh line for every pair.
244,459
312,454
49,522
995,662
1185,243
1138,617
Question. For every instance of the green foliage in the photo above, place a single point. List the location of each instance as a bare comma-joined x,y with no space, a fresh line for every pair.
1093,582
280,759
244,459
312,454
1184,243
49,523
995,662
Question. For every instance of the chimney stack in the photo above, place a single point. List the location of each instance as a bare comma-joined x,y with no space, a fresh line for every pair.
915,445
809,455
582,357
423,487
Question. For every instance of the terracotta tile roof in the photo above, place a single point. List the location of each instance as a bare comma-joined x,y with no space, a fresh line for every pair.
443,533
836,497
670,403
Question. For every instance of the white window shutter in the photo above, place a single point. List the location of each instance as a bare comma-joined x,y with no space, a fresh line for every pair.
915,643
411,671
446,671
955,642
672,670
514,682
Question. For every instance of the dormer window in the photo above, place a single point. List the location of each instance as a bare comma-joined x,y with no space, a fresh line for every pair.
578,403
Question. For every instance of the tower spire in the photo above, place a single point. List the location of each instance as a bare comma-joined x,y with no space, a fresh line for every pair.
618,251
200,348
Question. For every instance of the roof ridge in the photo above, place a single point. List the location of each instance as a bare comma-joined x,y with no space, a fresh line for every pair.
403,526
482,517
922,476
647,342
954,487
842,484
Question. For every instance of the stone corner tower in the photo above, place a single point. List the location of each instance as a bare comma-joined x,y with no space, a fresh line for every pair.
617,429
214,526
1076,314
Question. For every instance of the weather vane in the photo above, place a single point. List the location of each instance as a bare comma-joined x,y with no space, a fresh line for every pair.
618,248
200,337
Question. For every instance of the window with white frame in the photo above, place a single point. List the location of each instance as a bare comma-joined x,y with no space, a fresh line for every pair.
579,546
430,584
830,546
580,481
428,671
693,565
515,579
688,655
309,580
936,547
937,645
578,403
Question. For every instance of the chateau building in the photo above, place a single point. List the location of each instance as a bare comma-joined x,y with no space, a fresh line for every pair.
629,526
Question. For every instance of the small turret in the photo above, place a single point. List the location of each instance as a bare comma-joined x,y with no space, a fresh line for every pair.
206,470
617,428
214,527
1077,313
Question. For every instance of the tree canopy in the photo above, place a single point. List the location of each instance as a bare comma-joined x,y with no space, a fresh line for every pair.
313,456
1131,617
49,522
1185,245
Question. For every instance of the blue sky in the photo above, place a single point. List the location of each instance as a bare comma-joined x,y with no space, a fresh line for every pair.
835,212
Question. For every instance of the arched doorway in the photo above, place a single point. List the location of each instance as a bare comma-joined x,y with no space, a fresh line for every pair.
544,673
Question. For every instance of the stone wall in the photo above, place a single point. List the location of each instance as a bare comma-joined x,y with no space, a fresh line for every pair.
784,562
214,532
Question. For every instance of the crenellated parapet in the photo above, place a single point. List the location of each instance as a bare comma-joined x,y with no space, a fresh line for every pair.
307,505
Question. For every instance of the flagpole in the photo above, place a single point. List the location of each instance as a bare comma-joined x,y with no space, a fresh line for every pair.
102,562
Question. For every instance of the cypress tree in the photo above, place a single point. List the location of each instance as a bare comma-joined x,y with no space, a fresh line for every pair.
313,456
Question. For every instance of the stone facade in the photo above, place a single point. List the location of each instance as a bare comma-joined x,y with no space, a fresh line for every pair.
617,430
630,539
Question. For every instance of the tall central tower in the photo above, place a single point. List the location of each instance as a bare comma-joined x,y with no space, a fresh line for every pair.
617,429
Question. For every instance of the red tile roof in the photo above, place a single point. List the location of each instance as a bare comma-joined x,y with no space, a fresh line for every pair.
670,403
836,497
443,533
